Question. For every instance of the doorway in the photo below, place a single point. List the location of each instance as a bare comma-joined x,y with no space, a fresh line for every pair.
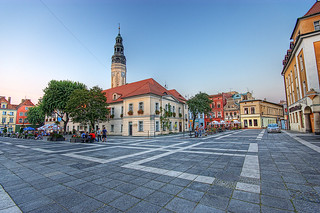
130,128
180,127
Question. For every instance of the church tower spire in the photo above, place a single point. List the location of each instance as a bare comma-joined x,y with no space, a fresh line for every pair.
118,65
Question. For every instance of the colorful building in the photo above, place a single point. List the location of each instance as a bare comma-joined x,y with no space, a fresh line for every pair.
301,73
22,113
8,113
256,114
232,107
217,113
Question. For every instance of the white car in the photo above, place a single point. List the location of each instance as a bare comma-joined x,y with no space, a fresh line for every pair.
273,128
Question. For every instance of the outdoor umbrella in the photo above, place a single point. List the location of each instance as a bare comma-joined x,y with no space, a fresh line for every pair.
28,128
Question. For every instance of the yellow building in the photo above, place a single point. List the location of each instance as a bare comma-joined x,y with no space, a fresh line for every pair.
256,114
301,72
8,114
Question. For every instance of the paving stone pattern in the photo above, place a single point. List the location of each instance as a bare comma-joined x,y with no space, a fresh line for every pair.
233,171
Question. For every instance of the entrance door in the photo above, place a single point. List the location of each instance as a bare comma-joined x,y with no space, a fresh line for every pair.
312,122
130,128
180,127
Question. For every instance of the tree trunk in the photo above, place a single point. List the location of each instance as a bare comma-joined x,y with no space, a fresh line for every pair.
65,123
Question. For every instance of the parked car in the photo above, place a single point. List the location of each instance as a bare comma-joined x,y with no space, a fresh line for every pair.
273,128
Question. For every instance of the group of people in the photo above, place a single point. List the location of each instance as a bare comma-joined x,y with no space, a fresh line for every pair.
98,135
199,131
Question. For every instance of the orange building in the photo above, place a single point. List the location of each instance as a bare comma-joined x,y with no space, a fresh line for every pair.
301,72
22,113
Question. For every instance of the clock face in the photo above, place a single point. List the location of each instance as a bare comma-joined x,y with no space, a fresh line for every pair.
123,74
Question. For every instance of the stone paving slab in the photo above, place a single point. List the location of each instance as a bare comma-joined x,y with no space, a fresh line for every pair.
235,171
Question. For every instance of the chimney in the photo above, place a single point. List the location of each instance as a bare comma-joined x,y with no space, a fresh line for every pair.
9,100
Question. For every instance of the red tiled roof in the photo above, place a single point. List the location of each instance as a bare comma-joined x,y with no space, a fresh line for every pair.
177,95
25,102
147,86
314,9
9,106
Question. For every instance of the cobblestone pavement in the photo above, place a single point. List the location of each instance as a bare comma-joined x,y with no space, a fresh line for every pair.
234,171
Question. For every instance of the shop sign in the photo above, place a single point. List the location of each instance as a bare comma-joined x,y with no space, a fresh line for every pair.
295,108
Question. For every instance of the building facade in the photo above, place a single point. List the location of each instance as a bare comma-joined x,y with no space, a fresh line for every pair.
8,114
256,114
232,107
22,113
301,73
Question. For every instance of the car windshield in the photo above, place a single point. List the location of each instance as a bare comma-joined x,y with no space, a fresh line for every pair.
273,125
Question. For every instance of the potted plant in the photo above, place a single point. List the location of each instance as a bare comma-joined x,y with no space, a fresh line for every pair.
180,115
174,114
121,116
112,116
140,111
55,137
157,112
130,112
75,139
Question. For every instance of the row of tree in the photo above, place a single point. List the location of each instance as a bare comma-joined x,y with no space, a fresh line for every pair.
73,100
70,100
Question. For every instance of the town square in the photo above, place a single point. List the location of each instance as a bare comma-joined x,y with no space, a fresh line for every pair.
160,106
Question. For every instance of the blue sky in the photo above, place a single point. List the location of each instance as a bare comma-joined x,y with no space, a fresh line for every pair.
191,45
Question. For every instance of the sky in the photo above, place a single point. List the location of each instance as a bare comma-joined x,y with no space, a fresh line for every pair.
210,46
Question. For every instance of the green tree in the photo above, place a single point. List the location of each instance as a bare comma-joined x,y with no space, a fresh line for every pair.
36,115
200,103
88,106
55,98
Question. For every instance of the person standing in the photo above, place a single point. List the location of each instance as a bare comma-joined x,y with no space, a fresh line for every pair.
104,135
98,134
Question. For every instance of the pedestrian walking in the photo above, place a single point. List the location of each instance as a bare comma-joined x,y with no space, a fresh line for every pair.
104,135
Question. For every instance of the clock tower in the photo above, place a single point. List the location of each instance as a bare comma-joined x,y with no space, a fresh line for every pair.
118,65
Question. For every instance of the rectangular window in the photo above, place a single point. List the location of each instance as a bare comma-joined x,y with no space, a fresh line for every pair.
316,25
11,120
179,110
245,123
250,122
140,126
164,126
112,111
253,110
26,121
170,126
26,108
255,122
3,106
157,107
20,120
218,106
25,114
213,114
173,109
157,126
131,107
246,111
301,63
4,113
219,114
141,106
121,127
21,113
4,120
10,113
176,126
112,128
122,110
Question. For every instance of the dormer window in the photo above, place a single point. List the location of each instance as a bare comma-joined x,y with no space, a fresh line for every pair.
316,25
115,96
